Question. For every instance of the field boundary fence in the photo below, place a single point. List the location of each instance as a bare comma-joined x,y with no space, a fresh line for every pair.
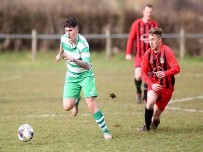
34,37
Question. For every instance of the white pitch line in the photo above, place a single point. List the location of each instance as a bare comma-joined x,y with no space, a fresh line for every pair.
118,113
43,115
180,109
83,114
184,100
126,113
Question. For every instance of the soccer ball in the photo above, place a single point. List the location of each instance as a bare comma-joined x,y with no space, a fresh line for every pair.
25,132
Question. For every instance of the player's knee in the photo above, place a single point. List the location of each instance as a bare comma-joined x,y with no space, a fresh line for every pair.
67,107
138,77
68,104
149,105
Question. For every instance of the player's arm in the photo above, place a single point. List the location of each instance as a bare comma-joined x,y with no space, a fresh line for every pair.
82,64
144,70
59,55
173,64
130,42
84,61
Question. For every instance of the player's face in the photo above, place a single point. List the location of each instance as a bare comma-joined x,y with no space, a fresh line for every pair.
147,13
72,33
154,41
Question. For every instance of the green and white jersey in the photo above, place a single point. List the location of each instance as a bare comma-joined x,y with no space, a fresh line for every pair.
81,52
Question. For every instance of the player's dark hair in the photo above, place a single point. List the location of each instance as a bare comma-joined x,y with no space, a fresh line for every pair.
70,22
149,5
156,31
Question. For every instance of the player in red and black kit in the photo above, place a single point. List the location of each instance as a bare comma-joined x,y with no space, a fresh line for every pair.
138,43
159,65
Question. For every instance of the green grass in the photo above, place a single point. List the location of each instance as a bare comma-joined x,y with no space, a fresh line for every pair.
31,92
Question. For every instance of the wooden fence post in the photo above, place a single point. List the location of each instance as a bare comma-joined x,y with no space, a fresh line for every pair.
182,43
34,44
108,43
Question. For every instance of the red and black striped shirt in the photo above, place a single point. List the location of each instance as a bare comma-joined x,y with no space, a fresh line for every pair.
138,37
165,61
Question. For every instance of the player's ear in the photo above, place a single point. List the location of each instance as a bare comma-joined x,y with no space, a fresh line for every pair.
160,40
159,37
77,29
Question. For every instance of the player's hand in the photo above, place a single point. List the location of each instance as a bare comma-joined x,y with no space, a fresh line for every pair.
58,57
160,74
128,57
66,57
156,87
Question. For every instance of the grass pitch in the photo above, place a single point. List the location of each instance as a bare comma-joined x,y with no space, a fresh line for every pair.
31,92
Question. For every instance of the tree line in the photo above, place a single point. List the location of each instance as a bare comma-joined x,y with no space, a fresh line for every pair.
47,17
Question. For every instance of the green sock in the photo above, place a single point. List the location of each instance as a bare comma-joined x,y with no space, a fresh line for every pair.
99,118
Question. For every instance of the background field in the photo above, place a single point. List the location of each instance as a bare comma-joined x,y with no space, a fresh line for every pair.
31,92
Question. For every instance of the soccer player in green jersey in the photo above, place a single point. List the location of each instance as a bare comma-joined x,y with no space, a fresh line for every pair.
74,48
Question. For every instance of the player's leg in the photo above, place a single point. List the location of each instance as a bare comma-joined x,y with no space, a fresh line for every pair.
98,116
161,103
68,103
74,110
138,84
156,117
71,103
145,93
151,100
71,97
90,94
